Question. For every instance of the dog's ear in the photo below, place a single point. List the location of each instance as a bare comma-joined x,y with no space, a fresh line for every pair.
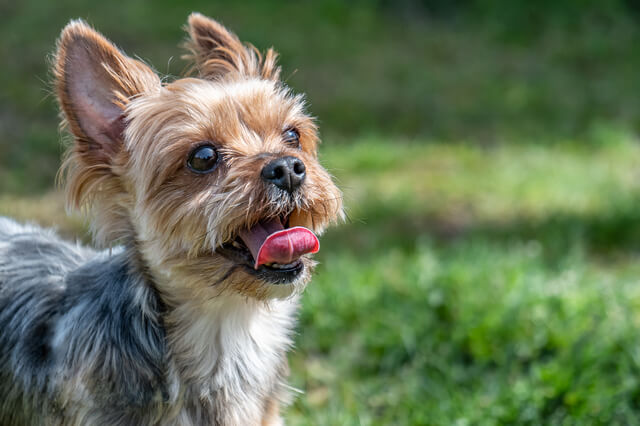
94,83
216,51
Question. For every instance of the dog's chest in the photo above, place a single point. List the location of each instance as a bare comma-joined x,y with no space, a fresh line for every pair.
231,359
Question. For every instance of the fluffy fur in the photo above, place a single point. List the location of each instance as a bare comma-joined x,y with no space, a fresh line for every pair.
162,328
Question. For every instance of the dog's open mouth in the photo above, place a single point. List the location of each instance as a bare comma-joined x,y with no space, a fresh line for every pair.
272,250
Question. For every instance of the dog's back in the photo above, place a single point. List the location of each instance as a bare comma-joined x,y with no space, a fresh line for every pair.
32,256
64,306
33,265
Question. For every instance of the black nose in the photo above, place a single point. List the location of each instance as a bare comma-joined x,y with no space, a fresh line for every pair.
286,173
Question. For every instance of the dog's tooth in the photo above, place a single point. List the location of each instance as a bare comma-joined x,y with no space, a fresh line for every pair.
301,218
236,244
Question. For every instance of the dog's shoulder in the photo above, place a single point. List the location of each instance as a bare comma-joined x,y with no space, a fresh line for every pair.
112,339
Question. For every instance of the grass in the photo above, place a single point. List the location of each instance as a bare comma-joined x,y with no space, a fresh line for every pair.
476,286
471,285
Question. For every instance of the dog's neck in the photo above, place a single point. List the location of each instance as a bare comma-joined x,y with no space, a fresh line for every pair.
231,331
230,349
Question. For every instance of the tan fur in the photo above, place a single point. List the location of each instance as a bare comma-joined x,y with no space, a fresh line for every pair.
272,414
127,166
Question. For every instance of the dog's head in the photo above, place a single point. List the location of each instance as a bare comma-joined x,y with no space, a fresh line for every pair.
213,178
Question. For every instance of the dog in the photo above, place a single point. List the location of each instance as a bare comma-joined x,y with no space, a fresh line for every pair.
205,196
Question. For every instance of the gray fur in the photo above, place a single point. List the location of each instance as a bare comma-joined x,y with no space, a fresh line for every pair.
82,340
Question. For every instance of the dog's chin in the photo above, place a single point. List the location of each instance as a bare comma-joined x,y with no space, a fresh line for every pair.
266,282
274,274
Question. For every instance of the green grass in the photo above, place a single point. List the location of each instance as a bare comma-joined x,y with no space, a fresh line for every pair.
470,286
476,286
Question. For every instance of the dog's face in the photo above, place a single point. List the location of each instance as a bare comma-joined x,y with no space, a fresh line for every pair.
215,179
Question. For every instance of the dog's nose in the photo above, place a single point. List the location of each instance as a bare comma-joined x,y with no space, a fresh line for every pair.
286,173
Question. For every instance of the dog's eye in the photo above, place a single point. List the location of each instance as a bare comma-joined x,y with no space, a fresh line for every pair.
292,137
203,159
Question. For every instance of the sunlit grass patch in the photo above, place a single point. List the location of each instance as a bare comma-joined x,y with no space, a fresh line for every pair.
493,183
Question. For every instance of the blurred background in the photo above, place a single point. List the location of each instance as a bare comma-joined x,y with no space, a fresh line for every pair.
488,151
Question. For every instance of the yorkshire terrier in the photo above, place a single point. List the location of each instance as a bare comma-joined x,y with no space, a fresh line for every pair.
207,195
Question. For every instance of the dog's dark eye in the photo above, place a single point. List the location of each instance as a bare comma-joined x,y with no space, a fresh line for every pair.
292,137
203,159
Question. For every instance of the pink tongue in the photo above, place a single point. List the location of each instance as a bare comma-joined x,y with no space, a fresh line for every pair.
269,242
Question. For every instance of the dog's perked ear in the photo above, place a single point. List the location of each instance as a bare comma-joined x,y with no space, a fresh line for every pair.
216,52
94,83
